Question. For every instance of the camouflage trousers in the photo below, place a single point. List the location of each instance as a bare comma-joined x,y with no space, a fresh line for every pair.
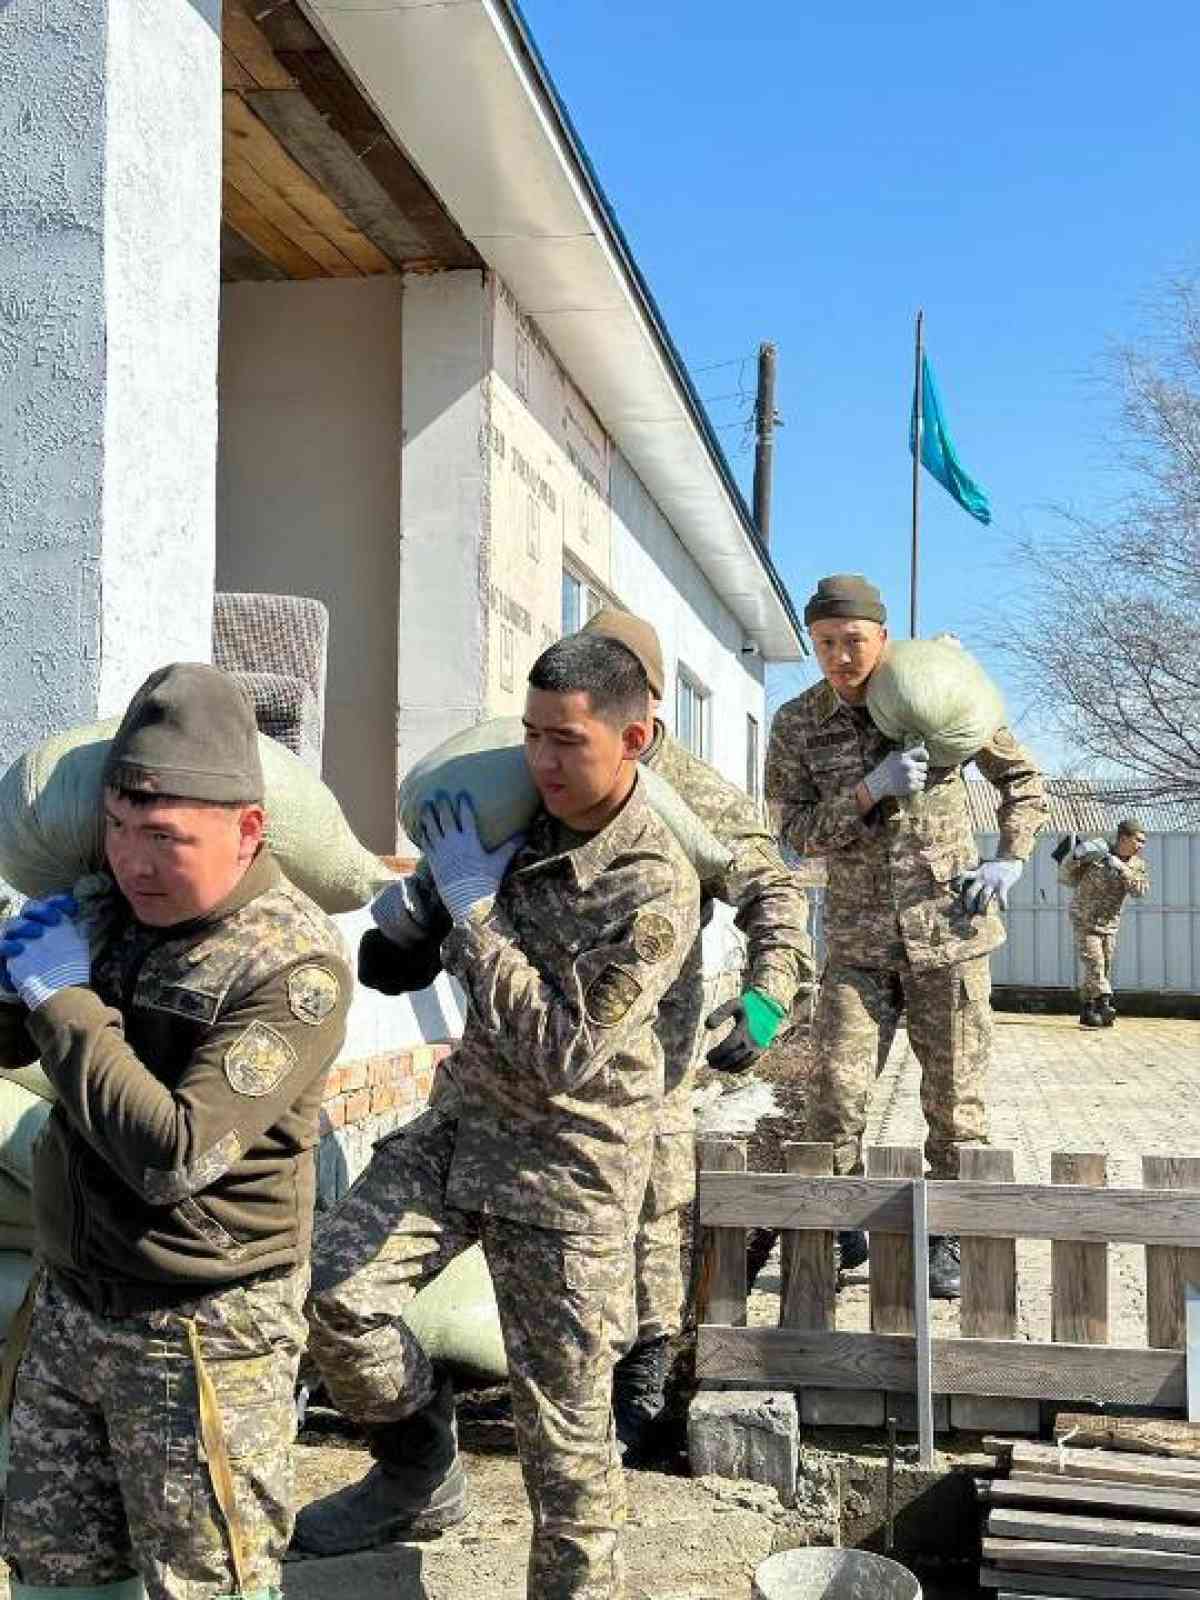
949,1018
109,1476
658,1270
1095,952
566,1313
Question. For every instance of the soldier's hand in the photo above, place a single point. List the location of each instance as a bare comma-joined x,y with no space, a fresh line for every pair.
1088,849
901,773
45,950
756,1020
991,880
390,969
464,869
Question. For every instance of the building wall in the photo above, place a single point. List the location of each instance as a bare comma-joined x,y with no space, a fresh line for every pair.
308,499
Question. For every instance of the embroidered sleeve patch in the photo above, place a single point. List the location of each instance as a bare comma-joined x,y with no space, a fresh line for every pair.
611,994
653,935
313,992
258,1060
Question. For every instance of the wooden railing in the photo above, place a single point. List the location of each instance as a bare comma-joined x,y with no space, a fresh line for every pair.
989,1213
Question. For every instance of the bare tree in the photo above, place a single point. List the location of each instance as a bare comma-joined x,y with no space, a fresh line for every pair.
1104,640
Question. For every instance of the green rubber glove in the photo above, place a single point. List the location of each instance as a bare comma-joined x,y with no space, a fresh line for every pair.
756,1018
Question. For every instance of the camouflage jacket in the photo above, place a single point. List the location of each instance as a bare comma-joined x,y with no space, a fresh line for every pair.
180,1154
893,873
558,1079
1102,885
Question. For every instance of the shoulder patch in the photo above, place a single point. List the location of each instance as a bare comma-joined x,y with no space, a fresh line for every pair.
611,995
313,992
258,1060
653,935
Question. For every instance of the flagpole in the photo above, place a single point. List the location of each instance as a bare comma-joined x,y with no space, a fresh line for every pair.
919,408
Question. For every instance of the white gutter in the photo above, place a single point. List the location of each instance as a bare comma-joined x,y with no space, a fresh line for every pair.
460,86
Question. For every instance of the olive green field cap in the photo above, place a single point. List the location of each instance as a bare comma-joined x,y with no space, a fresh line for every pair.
845,595
1130,826
189,733
638,637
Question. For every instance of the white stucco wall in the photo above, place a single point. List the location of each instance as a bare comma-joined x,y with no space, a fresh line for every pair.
309,499
653,574
109,228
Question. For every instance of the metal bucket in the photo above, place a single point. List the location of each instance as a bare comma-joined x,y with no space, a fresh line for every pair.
833,1575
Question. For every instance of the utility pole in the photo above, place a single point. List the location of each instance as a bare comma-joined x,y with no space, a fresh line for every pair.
764,434
918,436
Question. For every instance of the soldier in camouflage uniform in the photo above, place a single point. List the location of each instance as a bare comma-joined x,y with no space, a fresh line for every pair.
537,1141
911,913
1103,877
152,1420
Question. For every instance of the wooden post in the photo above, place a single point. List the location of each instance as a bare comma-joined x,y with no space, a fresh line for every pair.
989,1266
1169,1271
721,1290
809,1297
1079,1272
892,1305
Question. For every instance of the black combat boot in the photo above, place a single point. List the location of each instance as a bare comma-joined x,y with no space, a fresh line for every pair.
945,1273
1108,1010
417,1487
638,1398
852,1249
1090,1015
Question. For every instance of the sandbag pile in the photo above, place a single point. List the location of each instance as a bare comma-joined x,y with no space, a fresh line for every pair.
26,1099
934,692
488,763
51,821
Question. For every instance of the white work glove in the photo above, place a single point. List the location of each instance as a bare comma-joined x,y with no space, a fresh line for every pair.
464,869
398,912
1087,849
45,950
991,880
902,773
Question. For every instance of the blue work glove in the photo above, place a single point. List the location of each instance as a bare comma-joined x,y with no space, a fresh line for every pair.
464,869
8,989
756,1018
45,950
902,773
991,880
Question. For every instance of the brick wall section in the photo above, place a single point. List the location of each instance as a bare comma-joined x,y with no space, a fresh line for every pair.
364,1102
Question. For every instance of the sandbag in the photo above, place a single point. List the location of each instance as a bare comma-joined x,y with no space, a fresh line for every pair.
16,1209
22,1117
52,833
933,691
16,1269
456,1320
488,763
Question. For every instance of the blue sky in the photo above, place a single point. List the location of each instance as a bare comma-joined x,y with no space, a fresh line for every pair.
1026,173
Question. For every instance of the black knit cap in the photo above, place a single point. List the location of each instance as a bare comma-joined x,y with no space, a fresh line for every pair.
190,734
845,594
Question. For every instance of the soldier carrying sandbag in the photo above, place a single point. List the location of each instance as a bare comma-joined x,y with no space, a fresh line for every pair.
1103,877
187,1024
911,912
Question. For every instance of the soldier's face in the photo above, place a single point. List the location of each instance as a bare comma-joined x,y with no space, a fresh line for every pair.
847,651
1130,845
173,860
582,764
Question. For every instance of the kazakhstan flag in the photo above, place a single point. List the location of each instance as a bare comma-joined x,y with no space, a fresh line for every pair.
938,454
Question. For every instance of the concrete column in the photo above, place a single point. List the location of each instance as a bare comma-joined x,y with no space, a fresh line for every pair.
442,664
110,165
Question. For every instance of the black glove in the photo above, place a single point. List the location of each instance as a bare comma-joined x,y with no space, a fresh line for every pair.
756,1020
1064,847
391,970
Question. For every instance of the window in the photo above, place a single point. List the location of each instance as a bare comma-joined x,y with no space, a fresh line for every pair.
580,602
753,783
692,713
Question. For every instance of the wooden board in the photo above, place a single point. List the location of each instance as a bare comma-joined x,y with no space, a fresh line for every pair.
243,218
1106,1466
808,1298
993,1210
1076,1494
261,169
1079,1272
721,1285
1168,1271
242,262
1035,1585
1147,1436
891,1267
989,1266
1047,1555
788,1358
1061,1527
245,41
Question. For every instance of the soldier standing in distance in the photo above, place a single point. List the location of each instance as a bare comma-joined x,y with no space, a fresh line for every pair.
1103,877
911,912
537,1141
152,1420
